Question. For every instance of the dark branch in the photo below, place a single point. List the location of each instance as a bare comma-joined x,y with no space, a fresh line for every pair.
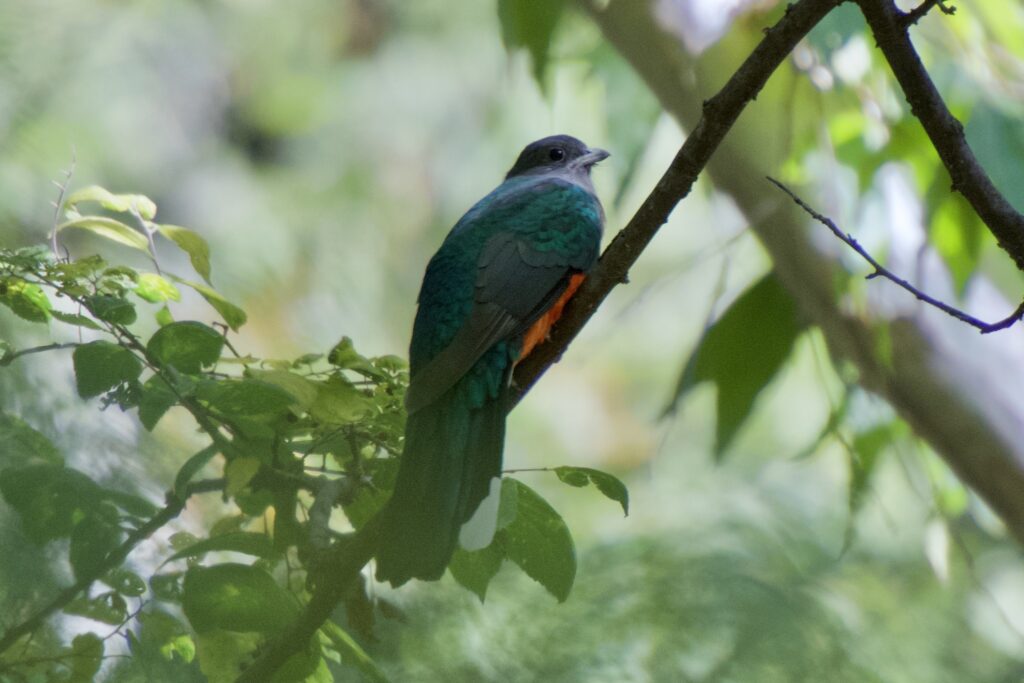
720,113
882,271
915,15
943,129
9,358
172,509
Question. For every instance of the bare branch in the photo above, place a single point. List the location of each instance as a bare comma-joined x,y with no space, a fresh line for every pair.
882,271
944,130
915,15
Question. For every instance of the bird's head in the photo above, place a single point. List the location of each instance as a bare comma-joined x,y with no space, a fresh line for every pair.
557,154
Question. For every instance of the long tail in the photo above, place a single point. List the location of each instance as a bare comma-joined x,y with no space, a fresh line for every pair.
451,454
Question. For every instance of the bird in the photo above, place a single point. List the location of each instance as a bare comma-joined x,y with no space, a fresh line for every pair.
490,295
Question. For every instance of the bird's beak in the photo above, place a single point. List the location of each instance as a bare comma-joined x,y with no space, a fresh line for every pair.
592,156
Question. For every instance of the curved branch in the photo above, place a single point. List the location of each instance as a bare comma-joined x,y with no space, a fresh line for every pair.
719,114
889,26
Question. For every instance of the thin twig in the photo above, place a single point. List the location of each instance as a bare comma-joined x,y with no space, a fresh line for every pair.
882,271
60,202
915,15
9,358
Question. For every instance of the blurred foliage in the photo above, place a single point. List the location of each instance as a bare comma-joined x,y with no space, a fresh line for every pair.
784,524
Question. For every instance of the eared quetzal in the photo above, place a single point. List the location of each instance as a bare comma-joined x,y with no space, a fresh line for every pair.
489,295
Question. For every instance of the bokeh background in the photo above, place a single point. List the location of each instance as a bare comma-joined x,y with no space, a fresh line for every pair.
325,147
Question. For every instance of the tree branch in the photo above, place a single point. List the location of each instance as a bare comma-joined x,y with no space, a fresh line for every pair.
719,114
172,509
882,271
915,15
889,26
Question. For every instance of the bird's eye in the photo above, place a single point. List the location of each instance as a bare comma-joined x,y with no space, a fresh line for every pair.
556,154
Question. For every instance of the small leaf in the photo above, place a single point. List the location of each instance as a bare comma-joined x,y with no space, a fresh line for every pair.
193,244
239,472
108,608
222,654
157,399
125,582
75,319
155,289
123,203
111,229
91,541
192,467
112,309
245,542
474,570
741,353
244,397
338,402
100,366
304,391
186,345
26,300
24,445
607,484
85,658
235,597
164,317
530,24
168,634
539,542
233,315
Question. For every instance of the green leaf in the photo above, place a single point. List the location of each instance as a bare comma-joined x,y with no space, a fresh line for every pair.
167,634
133,505
539,541
100,366
156,289
91,541
26,300
475,569
607,484
123,203
192,467
249,543
157,399
167,587
164,317
222,655
186,345
75,319
110,229
85,658
239,472
351,653
107,608
530,24
338,402
741,353
125,582
49,498
304,391
24,445
112,309
244,397
233,315
235,597
193,244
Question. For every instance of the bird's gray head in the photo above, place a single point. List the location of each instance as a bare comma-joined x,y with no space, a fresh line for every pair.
558,154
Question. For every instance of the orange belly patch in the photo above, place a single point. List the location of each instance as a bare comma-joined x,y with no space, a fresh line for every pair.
538,332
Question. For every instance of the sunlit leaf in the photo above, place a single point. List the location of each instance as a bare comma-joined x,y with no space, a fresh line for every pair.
193,244
156,289
239,472
123,203
303,390
26,300
233,315
100,366
167,634
244,397
110,229
339,402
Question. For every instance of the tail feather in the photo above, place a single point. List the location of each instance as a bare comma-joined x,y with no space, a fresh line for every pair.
451,454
